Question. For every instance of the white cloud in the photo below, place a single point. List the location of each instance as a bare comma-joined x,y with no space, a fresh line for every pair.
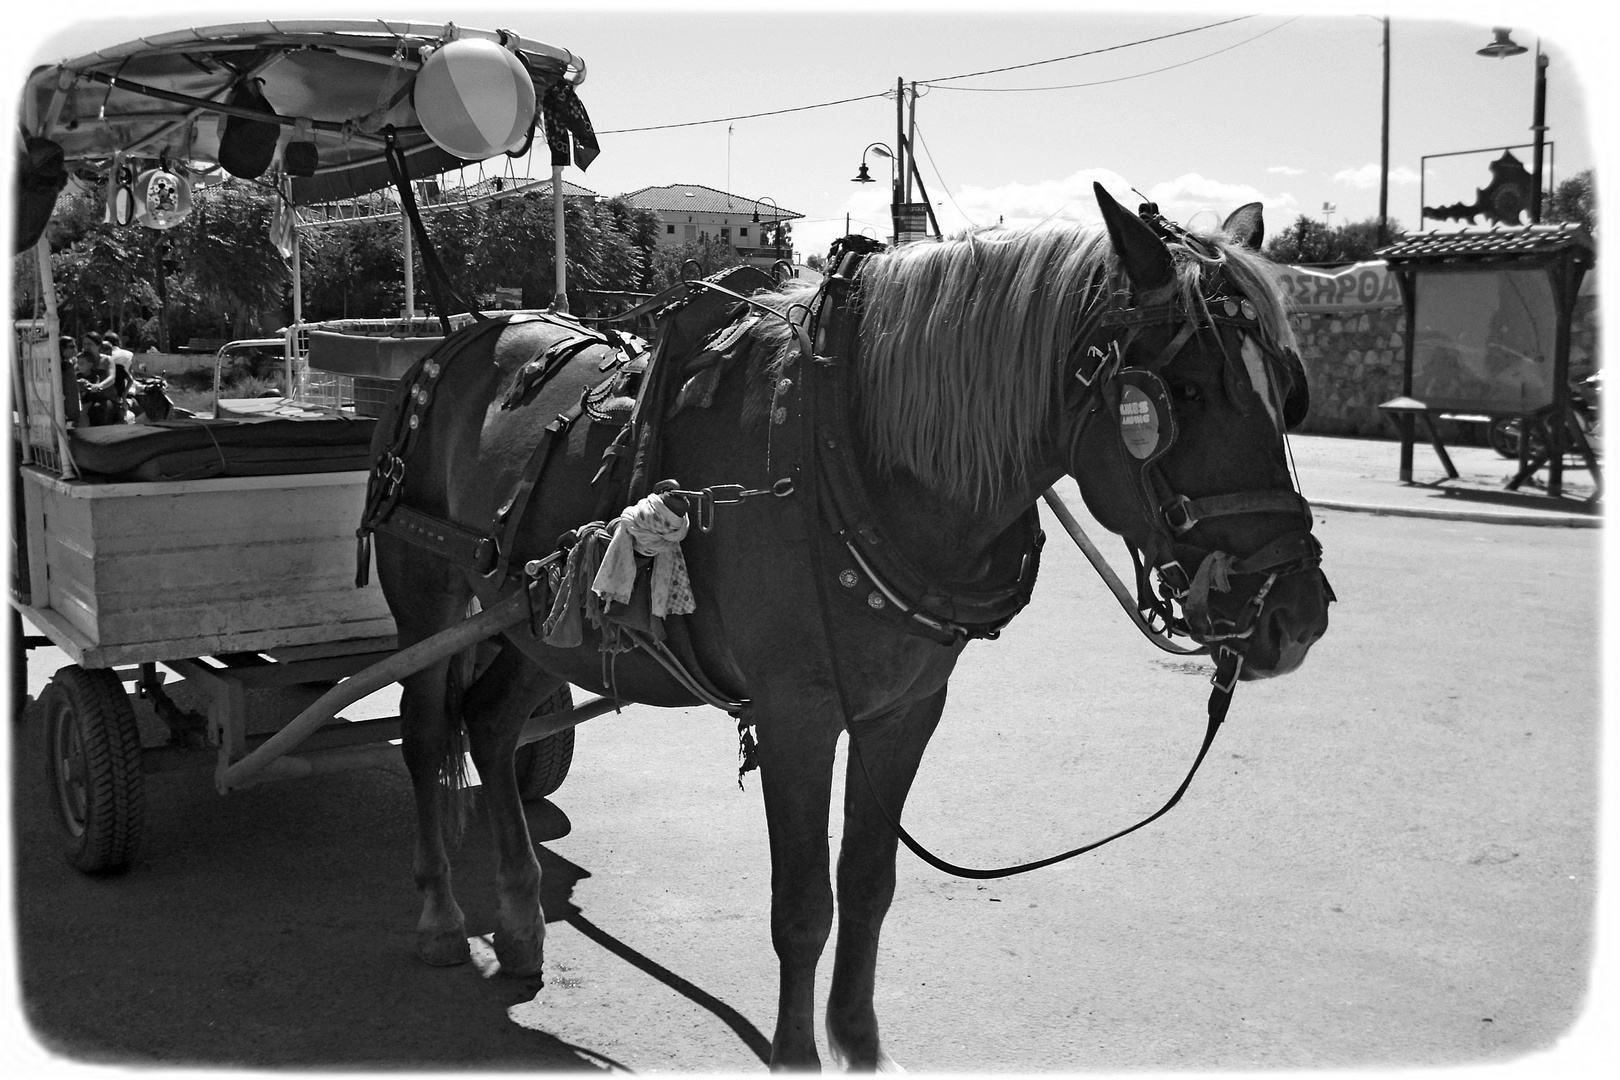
1192,195
1366,177
1286,170
1070,198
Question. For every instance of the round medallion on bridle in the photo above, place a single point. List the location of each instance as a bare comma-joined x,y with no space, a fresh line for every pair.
1138,422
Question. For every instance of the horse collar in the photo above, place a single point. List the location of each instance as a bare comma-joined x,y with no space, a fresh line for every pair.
843,518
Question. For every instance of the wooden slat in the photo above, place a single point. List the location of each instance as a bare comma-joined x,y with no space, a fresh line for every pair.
152,571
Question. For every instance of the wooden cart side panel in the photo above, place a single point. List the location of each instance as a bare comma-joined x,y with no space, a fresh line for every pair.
70,564
172,570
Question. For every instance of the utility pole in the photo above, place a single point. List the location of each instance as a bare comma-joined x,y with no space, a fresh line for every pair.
899,155
1383,157
1539,126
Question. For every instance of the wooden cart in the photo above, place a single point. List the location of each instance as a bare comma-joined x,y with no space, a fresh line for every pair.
240,588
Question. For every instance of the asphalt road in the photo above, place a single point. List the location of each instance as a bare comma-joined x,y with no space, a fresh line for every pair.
1389,860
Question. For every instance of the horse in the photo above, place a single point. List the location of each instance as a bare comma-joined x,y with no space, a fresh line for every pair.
1153,364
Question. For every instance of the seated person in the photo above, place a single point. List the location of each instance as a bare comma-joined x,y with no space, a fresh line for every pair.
68,350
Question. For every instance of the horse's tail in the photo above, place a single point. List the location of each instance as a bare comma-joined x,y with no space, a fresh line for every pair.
455,794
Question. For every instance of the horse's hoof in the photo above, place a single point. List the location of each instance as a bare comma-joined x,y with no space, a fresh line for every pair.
845,1060
521,956
443,948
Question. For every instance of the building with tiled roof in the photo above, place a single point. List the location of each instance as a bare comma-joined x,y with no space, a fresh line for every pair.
689,212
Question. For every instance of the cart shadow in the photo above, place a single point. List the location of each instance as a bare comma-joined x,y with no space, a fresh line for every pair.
275,928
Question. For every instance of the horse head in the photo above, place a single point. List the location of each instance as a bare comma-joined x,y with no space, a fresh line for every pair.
1188,382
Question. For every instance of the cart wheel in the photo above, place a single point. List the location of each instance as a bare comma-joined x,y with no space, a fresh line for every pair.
93,767
543,766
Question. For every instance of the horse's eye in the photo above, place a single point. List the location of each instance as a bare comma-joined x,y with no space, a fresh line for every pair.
1183,391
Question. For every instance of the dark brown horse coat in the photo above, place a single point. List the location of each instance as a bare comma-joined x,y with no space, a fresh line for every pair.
769,625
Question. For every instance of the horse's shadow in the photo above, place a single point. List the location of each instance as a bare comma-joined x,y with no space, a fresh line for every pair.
558,876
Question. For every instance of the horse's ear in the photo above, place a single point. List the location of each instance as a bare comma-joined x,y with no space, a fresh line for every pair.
1146,260
1247,226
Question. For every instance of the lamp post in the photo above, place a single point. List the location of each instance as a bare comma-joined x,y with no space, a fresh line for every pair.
776,235
1501,47
864,176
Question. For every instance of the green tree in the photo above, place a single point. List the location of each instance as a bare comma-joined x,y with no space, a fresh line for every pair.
352,271
510,243
228,267
1310,241
711,256
1574,200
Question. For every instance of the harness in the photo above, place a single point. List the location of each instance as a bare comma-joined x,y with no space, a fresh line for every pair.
871,571
1140,402
487,551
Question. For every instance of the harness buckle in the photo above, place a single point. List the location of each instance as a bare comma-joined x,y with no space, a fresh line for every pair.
703,509
1237,667
1183,506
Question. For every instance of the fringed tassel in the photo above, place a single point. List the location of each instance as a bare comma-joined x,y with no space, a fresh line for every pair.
747,749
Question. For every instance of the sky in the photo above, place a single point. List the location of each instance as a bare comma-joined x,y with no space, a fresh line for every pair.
1279,105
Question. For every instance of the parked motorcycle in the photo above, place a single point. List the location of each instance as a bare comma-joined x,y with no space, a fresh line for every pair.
1585,399
146,398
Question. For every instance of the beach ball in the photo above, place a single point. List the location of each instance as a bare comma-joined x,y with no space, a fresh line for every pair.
162,199
475,99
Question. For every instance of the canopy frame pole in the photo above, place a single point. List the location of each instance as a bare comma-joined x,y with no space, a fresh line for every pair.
559,299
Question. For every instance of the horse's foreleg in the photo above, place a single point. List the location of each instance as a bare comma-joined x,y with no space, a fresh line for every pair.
495,708
795,762
892,750
429,740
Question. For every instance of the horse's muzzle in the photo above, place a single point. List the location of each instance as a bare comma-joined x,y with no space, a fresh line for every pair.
1290,621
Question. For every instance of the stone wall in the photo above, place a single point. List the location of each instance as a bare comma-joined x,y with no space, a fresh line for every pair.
1354,360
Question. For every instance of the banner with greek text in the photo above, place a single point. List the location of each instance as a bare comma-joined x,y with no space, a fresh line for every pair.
1364,285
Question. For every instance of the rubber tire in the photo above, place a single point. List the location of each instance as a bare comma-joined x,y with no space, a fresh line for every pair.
543,766
1503,435
93,768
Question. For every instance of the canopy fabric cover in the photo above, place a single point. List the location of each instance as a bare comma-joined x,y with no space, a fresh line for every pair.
336,83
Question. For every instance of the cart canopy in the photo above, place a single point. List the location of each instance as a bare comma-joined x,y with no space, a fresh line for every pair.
342,86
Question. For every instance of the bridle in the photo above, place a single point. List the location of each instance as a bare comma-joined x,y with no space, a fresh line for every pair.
1105,376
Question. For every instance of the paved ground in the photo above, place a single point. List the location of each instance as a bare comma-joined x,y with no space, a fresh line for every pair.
1390,861
1363,475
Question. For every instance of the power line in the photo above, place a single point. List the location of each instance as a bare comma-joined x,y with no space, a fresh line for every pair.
1092,52
748,116
931,82
929,154
1121,78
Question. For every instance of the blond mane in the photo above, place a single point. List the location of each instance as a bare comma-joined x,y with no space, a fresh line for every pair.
962,343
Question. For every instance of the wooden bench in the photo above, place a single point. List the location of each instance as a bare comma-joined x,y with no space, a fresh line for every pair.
209,345
1403,410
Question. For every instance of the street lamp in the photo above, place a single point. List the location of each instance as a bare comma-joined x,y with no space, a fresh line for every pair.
864,176
776,236
1501,47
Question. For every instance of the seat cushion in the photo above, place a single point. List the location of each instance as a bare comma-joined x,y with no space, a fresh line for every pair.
194,448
